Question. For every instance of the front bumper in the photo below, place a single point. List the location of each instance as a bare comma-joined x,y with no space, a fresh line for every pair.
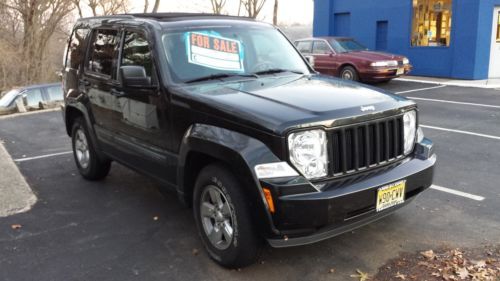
342,205
381,74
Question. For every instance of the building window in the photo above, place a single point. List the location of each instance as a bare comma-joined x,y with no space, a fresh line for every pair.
431,23
498,28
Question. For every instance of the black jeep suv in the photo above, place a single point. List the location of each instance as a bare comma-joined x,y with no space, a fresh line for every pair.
227,112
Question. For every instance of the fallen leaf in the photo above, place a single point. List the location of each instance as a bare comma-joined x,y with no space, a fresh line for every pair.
480,263
16,226
195,252
428,254
362,276
400,276
462,273
332,270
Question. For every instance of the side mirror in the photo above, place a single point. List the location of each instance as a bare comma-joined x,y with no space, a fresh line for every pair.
134,76
331,54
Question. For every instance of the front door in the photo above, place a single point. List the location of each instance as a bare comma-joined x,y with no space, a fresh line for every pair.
495,46
143,122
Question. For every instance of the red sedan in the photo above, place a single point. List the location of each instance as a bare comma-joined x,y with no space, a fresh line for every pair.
348,59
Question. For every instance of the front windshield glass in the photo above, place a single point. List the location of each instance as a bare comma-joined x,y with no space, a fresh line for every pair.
346,45
7,99
213,51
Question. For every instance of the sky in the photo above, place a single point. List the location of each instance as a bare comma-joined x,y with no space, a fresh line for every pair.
290,11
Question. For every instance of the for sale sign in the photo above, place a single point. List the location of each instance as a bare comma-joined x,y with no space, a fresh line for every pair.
214,51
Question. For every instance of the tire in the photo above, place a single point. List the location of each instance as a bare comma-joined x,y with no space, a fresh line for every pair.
216,184
87,161
349,73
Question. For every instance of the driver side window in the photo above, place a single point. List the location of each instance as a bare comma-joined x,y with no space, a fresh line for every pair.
136,51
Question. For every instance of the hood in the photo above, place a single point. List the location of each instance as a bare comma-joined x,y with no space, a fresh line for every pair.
374,56
279,104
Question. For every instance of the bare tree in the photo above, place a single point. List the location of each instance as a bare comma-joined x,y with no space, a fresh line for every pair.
217,6
146,6
39,21
253,7
156,6
275,13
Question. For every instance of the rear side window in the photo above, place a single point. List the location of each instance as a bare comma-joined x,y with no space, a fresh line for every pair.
55,93
136,51
76,48
34,96
320,47
304,46
103,52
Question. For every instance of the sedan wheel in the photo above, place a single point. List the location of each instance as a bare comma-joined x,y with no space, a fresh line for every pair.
349,73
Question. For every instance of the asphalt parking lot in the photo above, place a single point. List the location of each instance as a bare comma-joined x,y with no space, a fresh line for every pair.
123,228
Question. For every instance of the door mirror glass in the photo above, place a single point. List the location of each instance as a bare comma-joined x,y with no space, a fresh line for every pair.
134,76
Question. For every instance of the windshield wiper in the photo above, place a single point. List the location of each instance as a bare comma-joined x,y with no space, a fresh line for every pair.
277,70
220,76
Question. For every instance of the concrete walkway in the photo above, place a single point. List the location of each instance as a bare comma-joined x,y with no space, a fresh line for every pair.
15,194
486,84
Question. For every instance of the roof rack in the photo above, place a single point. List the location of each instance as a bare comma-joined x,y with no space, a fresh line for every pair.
166,16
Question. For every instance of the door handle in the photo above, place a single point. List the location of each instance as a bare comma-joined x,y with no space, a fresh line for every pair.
117,93
85,82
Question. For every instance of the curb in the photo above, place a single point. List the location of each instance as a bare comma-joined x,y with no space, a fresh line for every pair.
28,113
15,194
449,83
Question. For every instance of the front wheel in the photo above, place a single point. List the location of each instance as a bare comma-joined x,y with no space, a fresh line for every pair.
222,218
87,161
349,73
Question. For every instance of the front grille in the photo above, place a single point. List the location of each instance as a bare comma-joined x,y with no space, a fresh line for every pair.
364,146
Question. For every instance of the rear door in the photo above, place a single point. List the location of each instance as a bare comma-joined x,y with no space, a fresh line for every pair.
323,57
99,78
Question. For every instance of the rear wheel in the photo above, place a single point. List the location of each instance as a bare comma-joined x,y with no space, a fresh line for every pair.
349,73
223,220
87,161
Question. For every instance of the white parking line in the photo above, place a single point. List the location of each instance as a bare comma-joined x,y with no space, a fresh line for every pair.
456,102
42,156
461,132
421,89
458,193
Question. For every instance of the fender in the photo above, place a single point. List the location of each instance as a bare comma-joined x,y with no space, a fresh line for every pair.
239,152
82,109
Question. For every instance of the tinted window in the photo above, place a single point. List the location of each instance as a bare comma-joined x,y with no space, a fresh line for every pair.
136,51
320,47
55,93
34,96
304,46
103,52
76,48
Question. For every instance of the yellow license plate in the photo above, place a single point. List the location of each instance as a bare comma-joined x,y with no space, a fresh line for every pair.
390,195
400,71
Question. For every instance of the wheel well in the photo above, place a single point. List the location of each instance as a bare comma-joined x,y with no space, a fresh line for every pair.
71,115
345,65
195,161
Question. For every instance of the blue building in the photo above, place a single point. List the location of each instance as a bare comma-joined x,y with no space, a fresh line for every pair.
443,38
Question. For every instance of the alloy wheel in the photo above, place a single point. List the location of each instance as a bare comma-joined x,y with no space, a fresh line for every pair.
217,217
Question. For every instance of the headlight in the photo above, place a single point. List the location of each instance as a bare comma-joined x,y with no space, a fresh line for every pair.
406,61
308,153
384,63
410,129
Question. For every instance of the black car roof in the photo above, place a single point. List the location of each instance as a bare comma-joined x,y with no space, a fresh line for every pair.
165,17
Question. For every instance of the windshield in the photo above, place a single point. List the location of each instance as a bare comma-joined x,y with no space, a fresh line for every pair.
346,45
7,99
208,53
